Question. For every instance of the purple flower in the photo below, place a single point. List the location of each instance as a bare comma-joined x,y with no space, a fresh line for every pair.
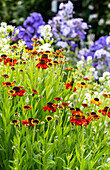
30,29
28,22
31,25
65,27
61,44
100,54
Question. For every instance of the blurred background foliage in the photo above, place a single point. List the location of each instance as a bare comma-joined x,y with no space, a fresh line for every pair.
94,12
14,12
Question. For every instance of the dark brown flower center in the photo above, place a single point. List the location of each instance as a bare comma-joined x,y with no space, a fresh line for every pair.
17,89
16,126
30,120
85,105
11,60
8,83
83,83
47,51
64,104
49,104
21,70
11,91
105,95
3,55
60,107
95,116
50,64
49,118
14,121
14,47
12,68
44,56
96,99
29,48
71,83
27,107
55,62
77,109
57,98
36,121
106,108
42,61
77,117
72,108
83,117
34,52
93,113
35,39
5,75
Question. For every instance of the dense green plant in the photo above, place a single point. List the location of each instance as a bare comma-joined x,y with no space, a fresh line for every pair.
38,86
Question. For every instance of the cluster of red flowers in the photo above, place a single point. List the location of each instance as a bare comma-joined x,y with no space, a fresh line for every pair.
7,60
105,111
44,61
10,61
80,120
27,122
49,107
16,91
30,122
70,85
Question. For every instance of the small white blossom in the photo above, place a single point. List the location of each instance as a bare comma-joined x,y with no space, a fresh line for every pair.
93,16
89,60
80,63
101,79
106,74
108,40
101,22
3,24
92,69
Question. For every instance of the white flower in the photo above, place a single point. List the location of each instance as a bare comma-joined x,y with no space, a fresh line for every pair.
93,16
80,63
47,28
101,22
6,47
87,96
84,25
27,100
108,5
108,40
45,47
3,24
108,160
90,7
3,29
108,22
17,31
21,43
96,93
10,27
92,69
101,79
89,59
106,74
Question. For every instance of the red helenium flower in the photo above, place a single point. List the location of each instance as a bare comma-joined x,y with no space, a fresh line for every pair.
42,64
27,122
49,107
